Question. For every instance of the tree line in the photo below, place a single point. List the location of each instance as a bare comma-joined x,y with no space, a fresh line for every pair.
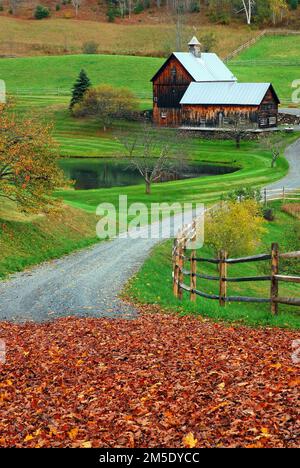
218,11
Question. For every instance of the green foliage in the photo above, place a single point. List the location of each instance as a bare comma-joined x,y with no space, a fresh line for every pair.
292,242
194,6
243,193
80,87
41,12
139,8
293,4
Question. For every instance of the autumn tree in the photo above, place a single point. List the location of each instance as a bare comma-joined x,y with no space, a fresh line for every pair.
28,162
236,227
154,154
107,103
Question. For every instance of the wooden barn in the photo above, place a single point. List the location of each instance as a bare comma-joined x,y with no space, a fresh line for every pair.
196,89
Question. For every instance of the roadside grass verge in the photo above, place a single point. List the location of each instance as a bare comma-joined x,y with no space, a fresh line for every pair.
29,240
153,283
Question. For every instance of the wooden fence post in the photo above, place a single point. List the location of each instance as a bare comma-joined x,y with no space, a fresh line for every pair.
265,197
193,282
175,269
274,280
180,268
223,276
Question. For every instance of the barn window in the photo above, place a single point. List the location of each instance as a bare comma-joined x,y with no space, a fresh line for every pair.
173,74
163,115
268,107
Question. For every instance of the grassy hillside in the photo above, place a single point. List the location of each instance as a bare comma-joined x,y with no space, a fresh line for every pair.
272,58
26,241
43,76
153,284
60,36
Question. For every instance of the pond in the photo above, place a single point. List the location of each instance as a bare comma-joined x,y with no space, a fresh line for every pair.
93,173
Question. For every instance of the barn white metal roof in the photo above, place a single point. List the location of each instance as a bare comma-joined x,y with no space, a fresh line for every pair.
225,93
206,68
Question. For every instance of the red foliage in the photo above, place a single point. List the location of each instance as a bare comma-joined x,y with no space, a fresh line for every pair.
157,381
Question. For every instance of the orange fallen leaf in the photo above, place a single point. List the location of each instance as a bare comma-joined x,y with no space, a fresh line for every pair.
73,433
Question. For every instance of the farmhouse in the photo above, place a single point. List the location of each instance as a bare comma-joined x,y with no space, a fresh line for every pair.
197,89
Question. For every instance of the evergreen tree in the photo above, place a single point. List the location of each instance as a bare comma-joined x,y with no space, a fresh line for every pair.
80,86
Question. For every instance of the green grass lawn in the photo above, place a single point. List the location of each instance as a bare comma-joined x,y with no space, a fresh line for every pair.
51,75
272,59
153,283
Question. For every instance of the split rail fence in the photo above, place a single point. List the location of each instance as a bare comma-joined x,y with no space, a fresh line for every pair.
187,266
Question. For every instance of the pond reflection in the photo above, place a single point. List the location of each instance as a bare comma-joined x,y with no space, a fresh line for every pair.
92,173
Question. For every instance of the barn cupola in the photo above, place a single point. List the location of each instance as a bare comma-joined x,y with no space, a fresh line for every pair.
195,47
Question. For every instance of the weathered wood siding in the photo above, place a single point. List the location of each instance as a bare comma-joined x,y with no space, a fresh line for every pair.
217,115
268,111
169,87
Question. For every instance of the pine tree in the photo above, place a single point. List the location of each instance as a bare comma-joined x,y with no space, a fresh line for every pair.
80,86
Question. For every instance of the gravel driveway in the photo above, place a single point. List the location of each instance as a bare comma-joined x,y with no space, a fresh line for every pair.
87,283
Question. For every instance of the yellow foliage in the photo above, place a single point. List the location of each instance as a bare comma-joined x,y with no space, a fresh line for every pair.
236,227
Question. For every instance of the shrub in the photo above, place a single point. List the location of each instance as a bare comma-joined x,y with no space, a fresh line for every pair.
235,227
293,4
243,193
269,214
194,6
107,103
90,47
41,12
139,8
